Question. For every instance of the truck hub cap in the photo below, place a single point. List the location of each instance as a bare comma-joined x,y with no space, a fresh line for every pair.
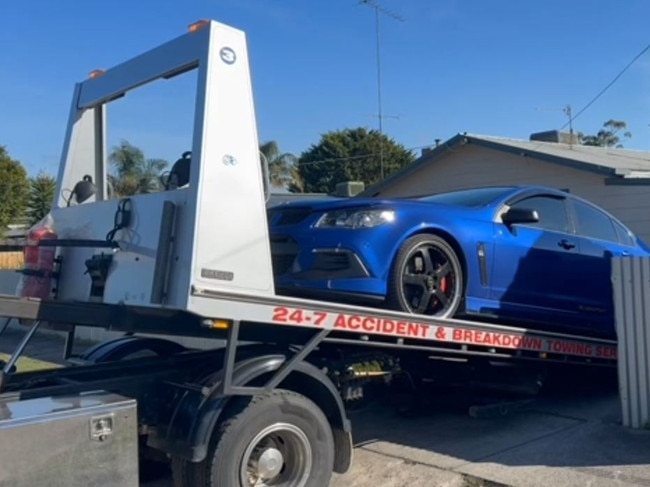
269,463
279,455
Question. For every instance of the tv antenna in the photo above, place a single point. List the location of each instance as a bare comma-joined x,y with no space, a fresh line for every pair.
567,110
380,10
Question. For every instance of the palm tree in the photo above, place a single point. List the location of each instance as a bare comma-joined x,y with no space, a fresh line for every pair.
41,196
283,171
132,172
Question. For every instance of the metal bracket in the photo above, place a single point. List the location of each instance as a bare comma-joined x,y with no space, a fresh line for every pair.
8,367
226,387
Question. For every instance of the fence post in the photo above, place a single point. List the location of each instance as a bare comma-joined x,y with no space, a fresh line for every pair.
631,288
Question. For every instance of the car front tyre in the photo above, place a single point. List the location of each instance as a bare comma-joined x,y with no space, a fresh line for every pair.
426,278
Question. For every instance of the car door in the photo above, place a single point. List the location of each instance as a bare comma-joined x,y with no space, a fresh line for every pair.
600,240
532,276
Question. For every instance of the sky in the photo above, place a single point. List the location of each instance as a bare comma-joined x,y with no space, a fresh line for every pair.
493,67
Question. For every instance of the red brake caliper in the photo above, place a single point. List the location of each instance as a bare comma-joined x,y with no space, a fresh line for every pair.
442,285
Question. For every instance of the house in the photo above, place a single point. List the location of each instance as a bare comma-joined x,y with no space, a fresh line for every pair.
618,180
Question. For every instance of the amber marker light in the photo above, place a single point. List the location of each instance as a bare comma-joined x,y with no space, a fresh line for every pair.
220,325
197,26
96,73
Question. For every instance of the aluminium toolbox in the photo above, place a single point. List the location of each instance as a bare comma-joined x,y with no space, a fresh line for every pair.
87,440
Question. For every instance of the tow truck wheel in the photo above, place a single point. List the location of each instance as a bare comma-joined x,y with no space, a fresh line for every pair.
281,439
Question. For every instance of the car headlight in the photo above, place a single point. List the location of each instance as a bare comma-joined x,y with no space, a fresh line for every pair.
355,218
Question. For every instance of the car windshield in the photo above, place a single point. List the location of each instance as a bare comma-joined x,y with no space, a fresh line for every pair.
468,197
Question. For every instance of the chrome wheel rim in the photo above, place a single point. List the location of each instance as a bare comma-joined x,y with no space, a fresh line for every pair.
279,455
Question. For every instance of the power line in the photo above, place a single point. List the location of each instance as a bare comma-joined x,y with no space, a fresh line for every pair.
567,109
608,86
320,161
357,157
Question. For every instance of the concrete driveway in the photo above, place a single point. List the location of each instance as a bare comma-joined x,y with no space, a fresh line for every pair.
567,438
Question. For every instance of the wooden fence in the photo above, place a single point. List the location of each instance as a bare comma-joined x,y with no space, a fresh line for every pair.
11,256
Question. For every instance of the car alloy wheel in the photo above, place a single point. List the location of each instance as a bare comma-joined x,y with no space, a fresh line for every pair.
426,277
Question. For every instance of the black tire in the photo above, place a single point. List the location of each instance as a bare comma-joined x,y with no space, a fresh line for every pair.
302,436
426,278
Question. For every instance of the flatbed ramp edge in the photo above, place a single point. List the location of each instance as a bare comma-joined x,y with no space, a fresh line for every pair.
256,317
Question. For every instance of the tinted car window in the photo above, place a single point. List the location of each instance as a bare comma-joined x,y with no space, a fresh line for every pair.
623,234
469,197
594,223
551,211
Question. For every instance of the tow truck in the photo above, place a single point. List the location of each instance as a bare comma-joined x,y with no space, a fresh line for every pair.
269,406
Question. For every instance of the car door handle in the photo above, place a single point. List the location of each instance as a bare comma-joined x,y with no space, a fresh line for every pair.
565,244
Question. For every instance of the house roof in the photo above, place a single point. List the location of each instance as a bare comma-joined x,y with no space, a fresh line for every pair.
606,157
608,161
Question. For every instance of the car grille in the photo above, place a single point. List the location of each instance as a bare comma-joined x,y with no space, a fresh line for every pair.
332,261
280,217
282,263
283,252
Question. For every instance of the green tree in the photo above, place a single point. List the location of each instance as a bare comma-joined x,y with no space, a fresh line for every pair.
283,171
132,173
608,135
41,196
14,189
350,155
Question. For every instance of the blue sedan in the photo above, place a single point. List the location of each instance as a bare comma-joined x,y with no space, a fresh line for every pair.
529,255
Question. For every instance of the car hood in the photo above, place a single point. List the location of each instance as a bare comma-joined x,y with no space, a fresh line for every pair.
323,205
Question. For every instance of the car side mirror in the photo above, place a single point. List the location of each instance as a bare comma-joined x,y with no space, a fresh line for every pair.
519,215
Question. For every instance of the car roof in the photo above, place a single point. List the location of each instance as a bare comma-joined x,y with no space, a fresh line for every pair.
508,189
509,192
